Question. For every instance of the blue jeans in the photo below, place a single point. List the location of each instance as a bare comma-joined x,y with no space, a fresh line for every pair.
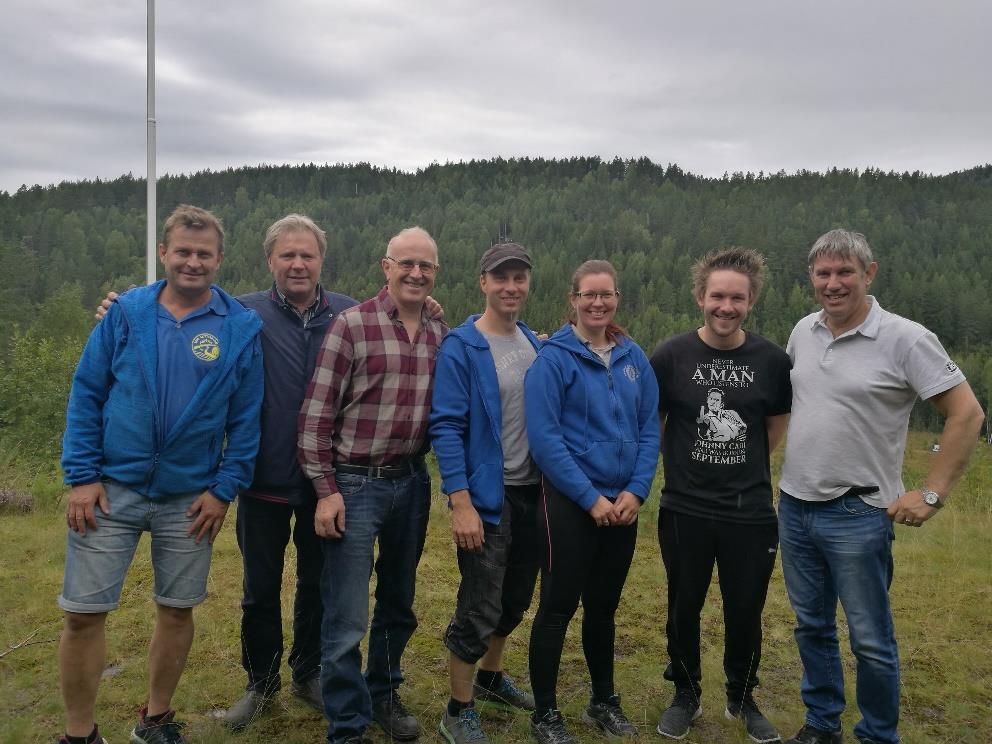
842,549
394,512
97,562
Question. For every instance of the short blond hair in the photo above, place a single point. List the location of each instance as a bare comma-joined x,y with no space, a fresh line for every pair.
192,218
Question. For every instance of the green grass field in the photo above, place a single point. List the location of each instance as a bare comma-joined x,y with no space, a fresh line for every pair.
941,595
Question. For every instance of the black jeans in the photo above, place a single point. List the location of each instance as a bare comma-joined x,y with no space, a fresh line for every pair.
263,529
744,555
498,582
580,561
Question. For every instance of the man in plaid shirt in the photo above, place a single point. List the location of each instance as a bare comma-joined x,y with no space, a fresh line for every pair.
363,435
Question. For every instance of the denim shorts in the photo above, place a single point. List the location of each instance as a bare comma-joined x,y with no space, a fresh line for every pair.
97,562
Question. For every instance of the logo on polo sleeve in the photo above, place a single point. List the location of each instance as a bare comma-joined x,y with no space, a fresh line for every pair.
206,347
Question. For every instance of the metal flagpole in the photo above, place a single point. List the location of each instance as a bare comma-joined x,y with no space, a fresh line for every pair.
150,146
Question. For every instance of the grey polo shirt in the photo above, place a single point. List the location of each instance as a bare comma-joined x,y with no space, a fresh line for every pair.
851,400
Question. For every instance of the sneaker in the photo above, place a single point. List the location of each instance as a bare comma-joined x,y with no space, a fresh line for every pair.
309,692
608,717
507,696
550,729
809,735
675,721
245,711
464,727
166,730
758,727
395,719
65,740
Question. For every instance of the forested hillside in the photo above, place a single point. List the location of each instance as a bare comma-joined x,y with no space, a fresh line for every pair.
61,247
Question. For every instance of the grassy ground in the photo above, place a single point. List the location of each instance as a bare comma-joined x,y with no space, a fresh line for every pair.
941,595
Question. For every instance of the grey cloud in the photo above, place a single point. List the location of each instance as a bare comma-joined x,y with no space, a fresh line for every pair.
715,86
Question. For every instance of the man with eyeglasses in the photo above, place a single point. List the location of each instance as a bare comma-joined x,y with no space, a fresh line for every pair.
362,440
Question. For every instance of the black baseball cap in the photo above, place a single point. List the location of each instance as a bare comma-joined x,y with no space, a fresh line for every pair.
502,253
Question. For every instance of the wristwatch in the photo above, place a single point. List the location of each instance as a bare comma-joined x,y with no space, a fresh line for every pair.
931,498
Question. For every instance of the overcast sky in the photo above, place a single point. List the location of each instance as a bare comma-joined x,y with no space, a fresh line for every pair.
713,85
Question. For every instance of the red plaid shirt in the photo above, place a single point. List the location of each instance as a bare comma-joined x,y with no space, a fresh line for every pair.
370,397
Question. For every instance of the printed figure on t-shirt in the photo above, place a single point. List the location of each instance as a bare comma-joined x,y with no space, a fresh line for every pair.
718,424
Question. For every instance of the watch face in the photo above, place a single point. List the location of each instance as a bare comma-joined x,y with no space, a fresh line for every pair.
931,498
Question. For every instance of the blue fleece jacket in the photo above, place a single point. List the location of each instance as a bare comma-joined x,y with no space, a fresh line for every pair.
593,429
467,420
112,427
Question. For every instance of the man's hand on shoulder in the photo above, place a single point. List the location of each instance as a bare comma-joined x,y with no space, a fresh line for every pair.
328,520
434,309
106,302
210,512
79,511
466,525
910,509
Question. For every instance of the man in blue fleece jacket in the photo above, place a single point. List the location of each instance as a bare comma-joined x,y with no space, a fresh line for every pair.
480,439
161,433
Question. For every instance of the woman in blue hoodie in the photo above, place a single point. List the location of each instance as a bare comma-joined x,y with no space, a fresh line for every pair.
591,403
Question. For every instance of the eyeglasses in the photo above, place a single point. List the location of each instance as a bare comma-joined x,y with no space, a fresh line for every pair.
604,296
407,264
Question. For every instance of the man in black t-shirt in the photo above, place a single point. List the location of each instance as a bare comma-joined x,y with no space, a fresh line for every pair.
724,401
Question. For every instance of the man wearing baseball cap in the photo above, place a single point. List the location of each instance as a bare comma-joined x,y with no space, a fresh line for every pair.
492,486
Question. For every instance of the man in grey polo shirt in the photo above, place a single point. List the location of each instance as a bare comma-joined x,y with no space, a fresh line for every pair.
857,371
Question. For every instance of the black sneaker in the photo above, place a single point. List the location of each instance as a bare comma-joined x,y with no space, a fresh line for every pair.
809,735
395,719
166,730
65,740
608,717
507,696
550,729
463,728
309,692
758,727
677,717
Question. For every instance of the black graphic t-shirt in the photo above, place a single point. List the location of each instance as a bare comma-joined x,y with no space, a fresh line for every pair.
715,445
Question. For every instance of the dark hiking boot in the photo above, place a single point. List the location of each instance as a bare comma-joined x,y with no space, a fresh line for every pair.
394,718
809,735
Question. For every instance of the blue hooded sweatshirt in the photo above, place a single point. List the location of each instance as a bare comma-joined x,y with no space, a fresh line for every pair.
112,427
466,421
593,429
